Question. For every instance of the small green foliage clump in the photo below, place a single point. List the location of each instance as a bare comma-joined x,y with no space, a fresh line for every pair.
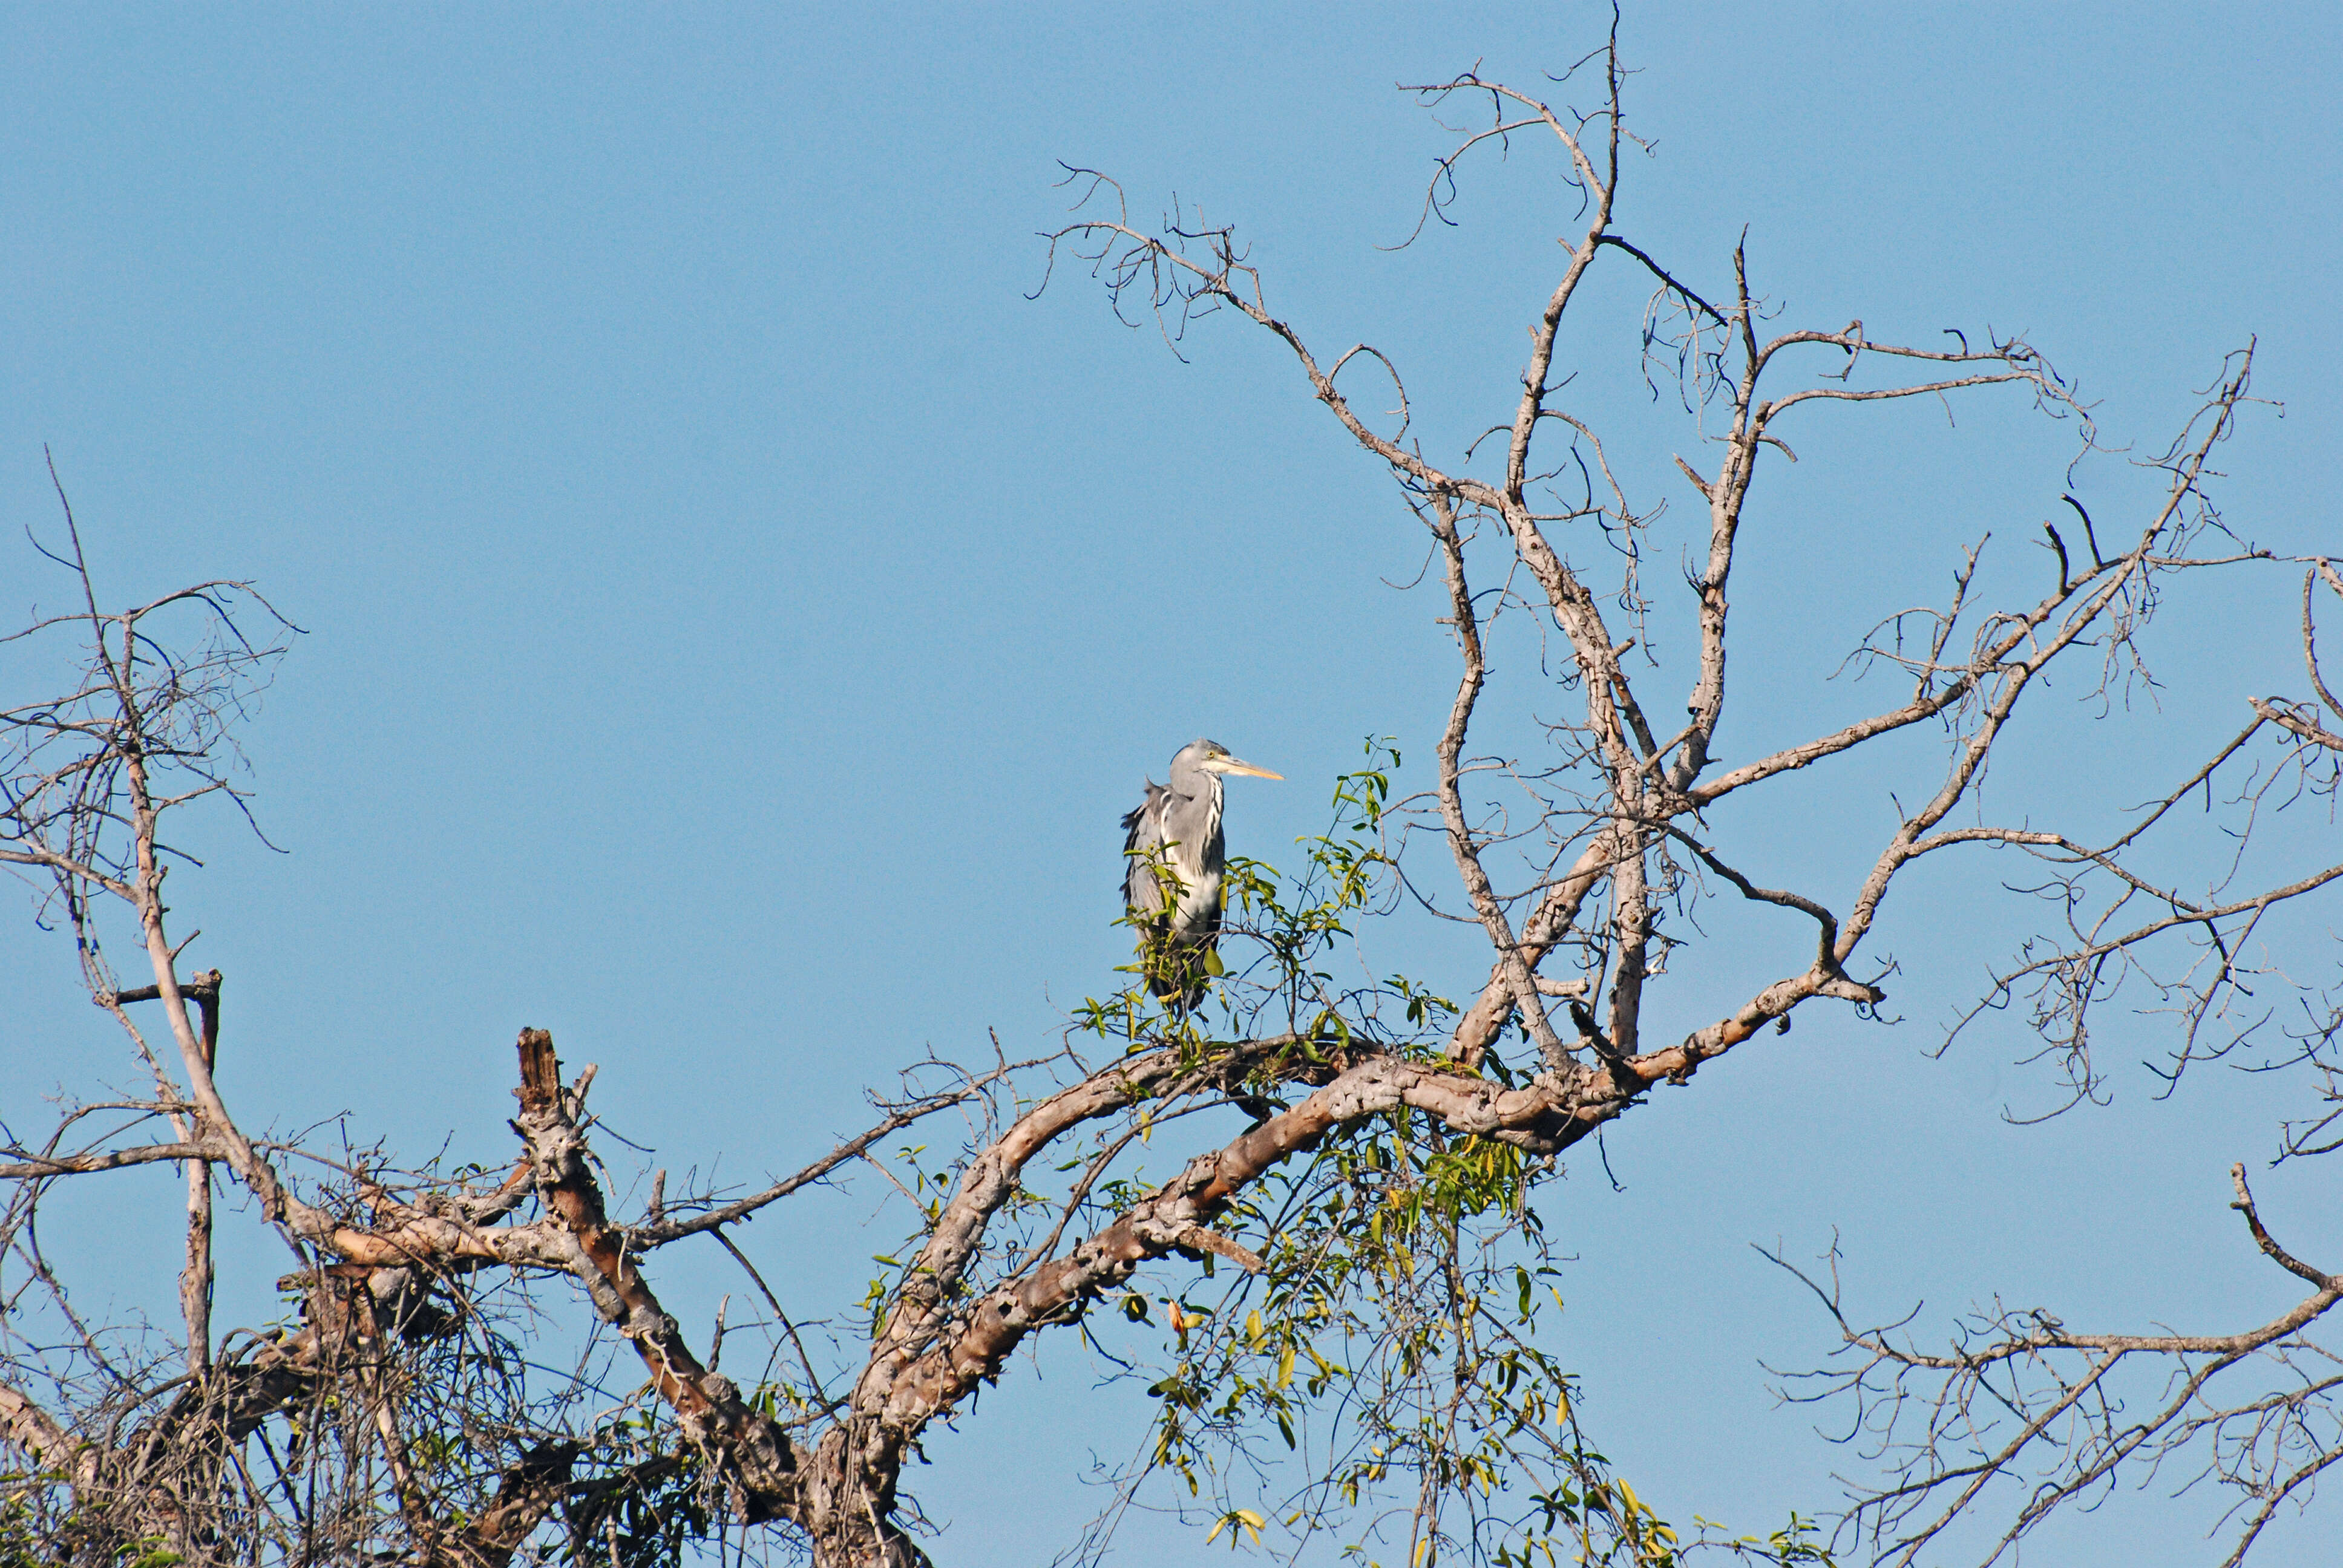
1391,1374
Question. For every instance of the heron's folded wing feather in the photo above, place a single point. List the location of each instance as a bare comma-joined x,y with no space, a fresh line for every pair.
1142,892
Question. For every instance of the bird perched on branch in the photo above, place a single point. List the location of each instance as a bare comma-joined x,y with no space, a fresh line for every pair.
1172,855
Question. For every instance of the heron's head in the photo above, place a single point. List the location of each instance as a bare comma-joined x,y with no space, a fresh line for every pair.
1212,757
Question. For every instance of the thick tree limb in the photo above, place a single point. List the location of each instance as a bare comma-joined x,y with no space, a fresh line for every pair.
708,1405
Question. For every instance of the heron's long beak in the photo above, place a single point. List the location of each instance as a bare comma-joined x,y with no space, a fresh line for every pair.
1232,766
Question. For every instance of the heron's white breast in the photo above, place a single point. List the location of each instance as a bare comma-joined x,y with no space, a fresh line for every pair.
1199,897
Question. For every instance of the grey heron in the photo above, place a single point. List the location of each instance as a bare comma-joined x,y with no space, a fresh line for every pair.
1172,855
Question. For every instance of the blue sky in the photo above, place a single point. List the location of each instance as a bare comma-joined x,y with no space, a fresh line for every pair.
737,613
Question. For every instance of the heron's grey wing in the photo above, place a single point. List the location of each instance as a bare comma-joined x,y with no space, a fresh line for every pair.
1142,892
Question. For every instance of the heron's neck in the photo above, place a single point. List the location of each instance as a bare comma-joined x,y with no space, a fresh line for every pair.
1198,829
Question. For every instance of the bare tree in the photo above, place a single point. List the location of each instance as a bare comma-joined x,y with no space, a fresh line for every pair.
1350,1264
